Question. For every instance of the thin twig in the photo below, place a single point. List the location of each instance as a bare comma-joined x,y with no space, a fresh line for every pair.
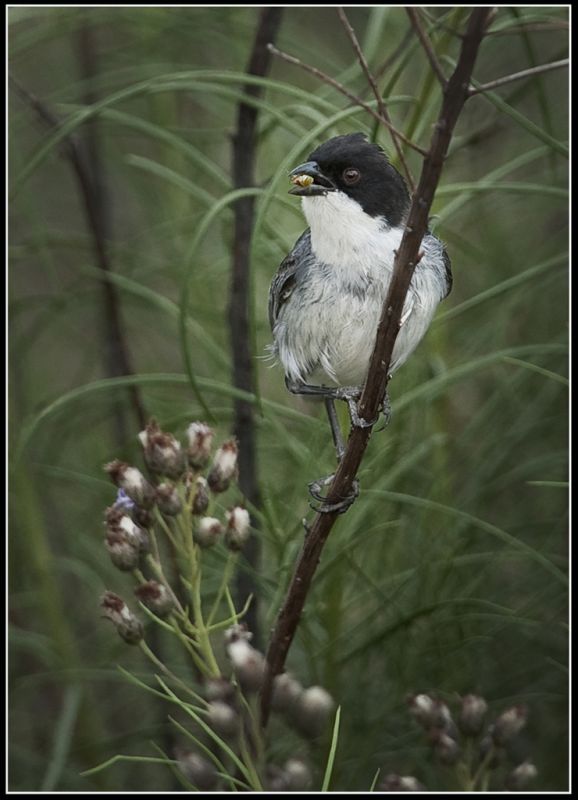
377,94
413,14
341,88
244,154
518,76
455,95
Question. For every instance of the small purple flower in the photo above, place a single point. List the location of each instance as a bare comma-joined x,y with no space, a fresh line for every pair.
123,501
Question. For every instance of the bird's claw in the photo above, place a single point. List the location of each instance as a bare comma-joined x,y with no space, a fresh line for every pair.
341,506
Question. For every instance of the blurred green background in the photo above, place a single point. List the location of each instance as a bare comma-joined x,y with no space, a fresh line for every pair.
449,573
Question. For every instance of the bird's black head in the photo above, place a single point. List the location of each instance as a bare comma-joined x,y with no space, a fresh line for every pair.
358,168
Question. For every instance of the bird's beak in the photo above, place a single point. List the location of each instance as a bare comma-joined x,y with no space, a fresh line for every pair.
309,181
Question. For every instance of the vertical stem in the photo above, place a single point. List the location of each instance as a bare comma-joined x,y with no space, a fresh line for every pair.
244,151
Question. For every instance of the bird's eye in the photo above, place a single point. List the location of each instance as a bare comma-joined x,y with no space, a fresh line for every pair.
351,175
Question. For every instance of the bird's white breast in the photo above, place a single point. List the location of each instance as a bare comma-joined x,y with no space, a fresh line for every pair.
343,235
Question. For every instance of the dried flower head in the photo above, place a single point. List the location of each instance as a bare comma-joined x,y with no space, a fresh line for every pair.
116,610
509,724
248,664
207,531
400,783
168,500
162,452
119,522
124,555
521,776
446,748
223,719
219,689
200,438
197,770
298,775
313,710
201,498
237,631
133,482
472,713
238,528
286,692
224,467
155,597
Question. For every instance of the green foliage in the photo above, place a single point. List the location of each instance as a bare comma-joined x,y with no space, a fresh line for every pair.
449,573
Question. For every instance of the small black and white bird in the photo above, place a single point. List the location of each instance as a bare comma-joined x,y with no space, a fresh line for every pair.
326,298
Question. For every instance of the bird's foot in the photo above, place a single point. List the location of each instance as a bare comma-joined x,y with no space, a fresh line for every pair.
339,507
351,395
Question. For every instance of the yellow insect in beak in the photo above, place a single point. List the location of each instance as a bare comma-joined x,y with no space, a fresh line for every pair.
302,180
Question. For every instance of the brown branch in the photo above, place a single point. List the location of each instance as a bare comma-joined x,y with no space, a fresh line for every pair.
377,94
117,356
455,95
357,101
413,14
518,76
244,151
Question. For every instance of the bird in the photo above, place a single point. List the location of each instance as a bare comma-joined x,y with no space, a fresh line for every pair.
326,298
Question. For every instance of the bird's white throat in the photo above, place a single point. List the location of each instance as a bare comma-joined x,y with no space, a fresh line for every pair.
343,235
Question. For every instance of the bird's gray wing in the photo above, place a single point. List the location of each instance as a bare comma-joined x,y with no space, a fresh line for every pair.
449,276
286,276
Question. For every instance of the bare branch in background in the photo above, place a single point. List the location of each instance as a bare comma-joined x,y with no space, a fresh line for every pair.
350,96
518,76
454,97
244,152
377,94
413,14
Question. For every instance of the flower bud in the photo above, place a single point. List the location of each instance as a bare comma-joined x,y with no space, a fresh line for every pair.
521,776
168,500
197,770
286,691
248,664
224,467
162,452
400,783
156,597
238,528
219,689
115,609
446,749
276,779
223,719
122,553
312,711
472,713
206,533
298,775
201,499
119,522
200,442
237,631
509,724
133,482
143,517
423,709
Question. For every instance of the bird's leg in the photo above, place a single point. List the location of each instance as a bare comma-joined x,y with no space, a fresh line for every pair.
315,487
335,428
350,394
